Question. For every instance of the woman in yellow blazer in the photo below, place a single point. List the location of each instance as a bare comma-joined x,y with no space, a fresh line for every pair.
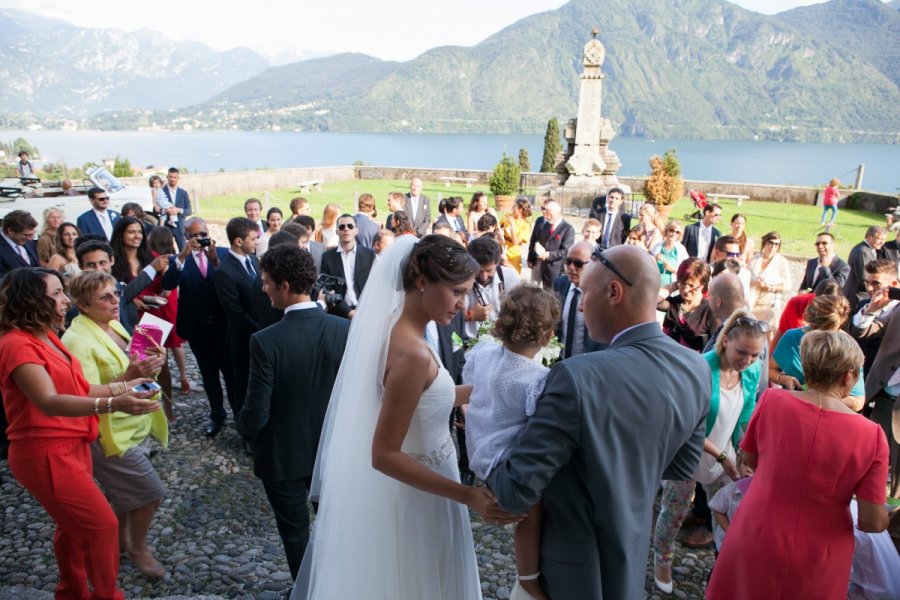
121,455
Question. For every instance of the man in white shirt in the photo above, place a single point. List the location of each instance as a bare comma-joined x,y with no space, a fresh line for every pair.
349,261
253,211
699,238
491,283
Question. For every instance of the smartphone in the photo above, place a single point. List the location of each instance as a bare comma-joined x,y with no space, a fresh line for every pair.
149,386
894,293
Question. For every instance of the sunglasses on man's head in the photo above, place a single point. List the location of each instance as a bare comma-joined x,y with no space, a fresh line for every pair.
344,226
598,255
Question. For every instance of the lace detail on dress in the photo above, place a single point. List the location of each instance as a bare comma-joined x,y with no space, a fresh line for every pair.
435,458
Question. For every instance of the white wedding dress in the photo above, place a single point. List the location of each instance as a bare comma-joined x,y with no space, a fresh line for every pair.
374,537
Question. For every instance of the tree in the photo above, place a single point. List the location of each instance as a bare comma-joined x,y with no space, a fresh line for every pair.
551,146
504,181
122,167
524,162
664,186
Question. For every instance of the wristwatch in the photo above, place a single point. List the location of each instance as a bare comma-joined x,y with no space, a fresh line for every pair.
721,458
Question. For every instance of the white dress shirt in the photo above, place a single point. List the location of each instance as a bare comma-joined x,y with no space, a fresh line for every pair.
491,294
703,241
301,306
105,222
348,259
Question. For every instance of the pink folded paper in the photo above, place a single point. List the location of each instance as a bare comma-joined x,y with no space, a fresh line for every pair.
145,337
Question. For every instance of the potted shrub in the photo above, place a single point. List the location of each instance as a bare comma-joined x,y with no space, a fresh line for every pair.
504,183
664,186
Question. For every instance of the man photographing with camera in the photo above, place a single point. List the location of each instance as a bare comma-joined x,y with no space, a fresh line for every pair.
349,261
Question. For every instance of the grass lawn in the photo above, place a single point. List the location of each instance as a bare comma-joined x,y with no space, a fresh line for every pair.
797,224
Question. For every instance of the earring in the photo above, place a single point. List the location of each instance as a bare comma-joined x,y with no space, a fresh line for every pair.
422,290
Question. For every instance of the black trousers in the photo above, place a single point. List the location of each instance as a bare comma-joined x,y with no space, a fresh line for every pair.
882,413
288,501
208,344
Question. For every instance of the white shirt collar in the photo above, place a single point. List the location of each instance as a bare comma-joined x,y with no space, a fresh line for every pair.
241,258
348,252
626,330
10,241
301,306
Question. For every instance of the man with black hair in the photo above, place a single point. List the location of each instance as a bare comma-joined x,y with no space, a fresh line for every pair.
181,206
349,261
699,238
317,249
293,366
491,282
100,219
18,248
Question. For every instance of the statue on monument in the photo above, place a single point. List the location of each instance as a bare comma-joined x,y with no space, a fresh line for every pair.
589,163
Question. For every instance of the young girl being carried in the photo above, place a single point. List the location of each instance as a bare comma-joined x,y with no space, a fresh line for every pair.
507,382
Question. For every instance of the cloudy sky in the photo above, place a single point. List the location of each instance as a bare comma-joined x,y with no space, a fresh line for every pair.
284,30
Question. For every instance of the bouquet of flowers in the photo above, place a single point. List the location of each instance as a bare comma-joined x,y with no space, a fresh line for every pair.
547,356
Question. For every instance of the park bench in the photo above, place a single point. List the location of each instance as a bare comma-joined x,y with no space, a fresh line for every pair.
312,184
467,180
739,197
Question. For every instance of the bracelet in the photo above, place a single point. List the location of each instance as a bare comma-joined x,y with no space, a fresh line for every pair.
109,404
721,458
96,406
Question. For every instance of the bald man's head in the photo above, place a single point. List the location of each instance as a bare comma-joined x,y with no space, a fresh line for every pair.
578,257
554,210
726,295
621,286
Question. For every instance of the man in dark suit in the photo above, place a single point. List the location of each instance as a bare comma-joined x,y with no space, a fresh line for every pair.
450,208
826,266
862,254
180,210
571,330
365,221
599,430
891,250
201,320
317,249
17,249
239,288
552,244
100,219
418,207
453,356
293,366
615,223
699,238
349,261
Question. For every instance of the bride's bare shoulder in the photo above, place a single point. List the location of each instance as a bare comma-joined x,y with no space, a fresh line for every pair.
408,349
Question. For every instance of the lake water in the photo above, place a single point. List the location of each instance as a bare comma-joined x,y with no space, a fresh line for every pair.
738,161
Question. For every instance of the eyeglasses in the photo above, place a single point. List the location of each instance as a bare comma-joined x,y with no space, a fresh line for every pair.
344,226
682,287
750,322
578,263
598,254
101,197
732,254
199,234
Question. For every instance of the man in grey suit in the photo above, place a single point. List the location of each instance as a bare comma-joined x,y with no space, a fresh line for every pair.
862,254
608,427
418,207
293,366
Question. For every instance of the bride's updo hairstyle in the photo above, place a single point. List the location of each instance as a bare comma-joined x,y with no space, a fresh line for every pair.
440,260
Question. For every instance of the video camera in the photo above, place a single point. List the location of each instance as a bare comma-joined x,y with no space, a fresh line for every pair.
331,290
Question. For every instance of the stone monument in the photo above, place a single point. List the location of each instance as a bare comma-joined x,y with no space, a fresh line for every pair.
589,163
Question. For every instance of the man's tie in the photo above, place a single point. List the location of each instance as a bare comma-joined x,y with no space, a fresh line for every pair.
106,225
607,231
201,263
570,324
21,249
250,271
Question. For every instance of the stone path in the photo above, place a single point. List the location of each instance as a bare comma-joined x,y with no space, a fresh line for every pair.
215,533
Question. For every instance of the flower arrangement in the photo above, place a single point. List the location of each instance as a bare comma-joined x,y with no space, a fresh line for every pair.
547,356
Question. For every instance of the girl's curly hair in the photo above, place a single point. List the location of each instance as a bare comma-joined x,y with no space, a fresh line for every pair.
24,303
527,313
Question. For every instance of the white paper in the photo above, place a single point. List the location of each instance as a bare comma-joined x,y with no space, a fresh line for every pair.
164,325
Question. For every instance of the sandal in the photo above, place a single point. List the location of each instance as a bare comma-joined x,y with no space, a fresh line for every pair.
185,386
147,565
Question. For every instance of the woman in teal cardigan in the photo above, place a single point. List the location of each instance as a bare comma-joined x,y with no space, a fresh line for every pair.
121,453
735,372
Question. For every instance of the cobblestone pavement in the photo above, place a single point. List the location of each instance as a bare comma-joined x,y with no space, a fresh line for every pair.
215,533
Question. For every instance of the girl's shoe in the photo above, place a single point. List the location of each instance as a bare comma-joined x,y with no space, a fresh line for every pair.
518,592
665,587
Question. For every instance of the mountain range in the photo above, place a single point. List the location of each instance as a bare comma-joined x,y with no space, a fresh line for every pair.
674,69
51,67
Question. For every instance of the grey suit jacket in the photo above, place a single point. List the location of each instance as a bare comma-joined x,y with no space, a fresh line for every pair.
317,249
422,222
603,436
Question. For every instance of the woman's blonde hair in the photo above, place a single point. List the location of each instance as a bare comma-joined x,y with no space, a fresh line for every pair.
84,285
741,322
827,313
827,355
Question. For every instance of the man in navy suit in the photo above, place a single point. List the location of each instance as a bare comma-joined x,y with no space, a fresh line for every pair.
201,320
182,206
699,238
449,209
571,330
616,223
293,366
17,249
239,288
100,219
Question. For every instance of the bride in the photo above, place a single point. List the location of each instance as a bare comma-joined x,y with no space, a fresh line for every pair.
392,521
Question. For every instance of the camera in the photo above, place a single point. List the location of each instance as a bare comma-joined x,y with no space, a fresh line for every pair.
331,290
205,242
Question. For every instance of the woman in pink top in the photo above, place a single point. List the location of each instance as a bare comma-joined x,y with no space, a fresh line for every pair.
830,200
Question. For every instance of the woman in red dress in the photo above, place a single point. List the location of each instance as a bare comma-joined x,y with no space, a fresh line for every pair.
52,412
792,536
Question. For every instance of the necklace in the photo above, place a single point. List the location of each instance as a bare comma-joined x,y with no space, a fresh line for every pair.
730,384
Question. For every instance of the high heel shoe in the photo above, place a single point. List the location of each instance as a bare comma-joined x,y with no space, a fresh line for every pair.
518,592
665,587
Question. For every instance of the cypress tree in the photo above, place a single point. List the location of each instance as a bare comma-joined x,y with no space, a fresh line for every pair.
551,146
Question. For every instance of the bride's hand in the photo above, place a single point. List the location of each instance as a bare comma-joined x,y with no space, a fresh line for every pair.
482,501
